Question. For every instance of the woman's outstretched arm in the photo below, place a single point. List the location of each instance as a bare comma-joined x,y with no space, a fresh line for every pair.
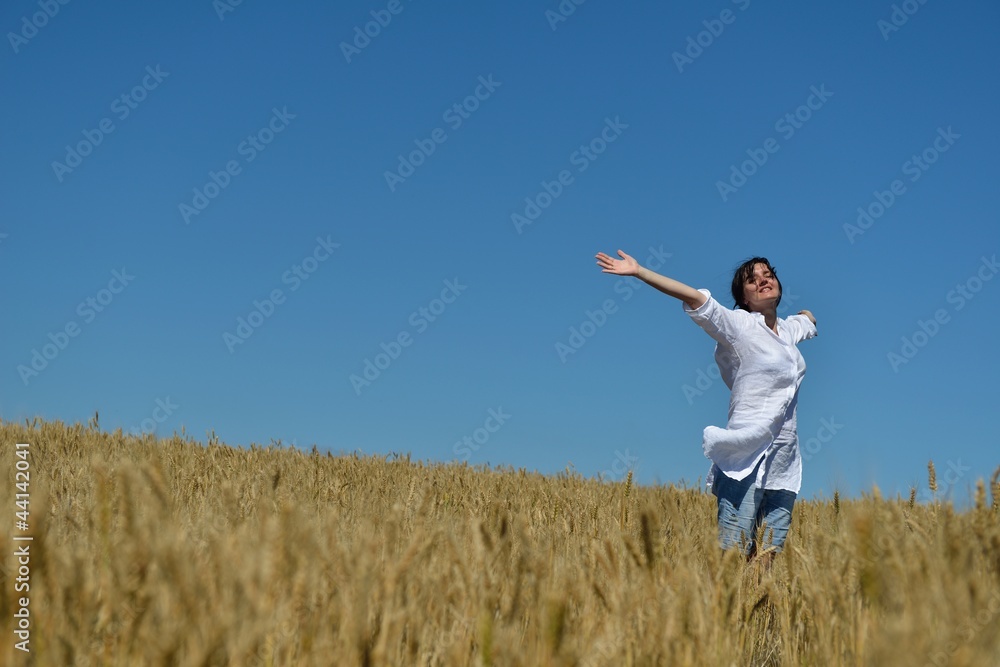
809,315
627,266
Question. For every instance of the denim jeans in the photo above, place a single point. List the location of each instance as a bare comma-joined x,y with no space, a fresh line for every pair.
743,508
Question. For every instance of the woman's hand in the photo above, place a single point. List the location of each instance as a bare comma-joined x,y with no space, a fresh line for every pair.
627,266
809,315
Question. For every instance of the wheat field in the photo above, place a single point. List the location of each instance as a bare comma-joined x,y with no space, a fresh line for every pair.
173,552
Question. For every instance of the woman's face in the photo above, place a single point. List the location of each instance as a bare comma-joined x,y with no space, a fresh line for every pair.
762,291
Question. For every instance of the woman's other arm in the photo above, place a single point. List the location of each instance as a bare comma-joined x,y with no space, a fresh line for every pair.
803,326
627,266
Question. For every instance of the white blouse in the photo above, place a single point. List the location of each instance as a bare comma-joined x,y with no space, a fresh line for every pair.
764,371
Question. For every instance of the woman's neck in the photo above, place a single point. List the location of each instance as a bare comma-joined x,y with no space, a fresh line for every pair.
770,318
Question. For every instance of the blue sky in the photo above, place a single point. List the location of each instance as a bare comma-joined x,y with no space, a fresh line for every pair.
435,192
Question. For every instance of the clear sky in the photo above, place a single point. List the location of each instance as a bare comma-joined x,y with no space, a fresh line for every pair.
216,214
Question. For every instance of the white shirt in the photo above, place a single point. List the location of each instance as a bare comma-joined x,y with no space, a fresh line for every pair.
764,371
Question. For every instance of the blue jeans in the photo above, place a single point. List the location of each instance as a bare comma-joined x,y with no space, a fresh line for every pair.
743,508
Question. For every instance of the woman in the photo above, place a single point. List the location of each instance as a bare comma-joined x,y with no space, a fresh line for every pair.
756,465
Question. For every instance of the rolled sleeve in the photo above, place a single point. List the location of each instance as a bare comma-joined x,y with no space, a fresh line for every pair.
719,322
801,327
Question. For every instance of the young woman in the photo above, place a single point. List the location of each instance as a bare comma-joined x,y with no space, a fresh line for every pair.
756,465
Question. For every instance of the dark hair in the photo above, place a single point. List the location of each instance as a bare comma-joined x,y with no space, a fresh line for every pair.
745,273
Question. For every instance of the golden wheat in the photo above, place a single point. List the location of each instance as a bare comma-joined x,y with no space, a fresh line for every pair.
170,552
